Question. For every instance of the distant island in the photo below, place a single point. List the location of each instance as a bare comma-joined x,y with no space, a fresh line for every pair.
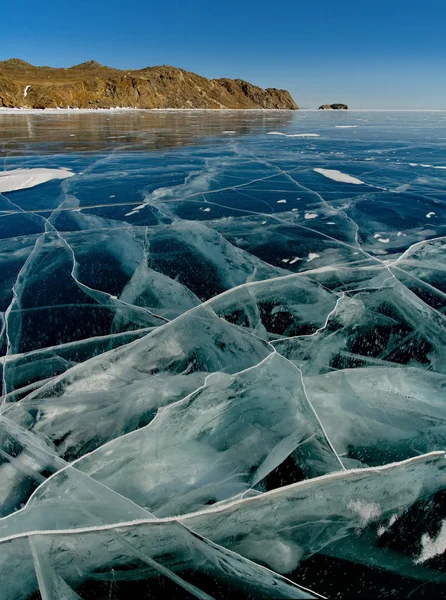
91,85
333,107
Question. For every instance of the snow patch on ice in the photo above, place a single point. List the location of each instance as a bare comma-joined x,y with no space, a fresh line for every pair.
432,546
430,214
381,530
309,215
293,134
281,201
20,179
367,511
336,175
312,256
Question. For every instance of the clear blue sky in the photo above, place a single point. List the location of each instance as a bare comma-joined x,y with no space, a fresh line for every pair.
379,54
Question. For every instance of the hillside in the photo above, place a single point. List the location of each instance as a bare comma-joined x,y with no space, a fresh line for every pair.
91,85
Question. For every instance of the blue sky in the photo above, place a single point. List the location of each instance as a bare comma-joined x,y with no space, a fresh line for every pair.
382,54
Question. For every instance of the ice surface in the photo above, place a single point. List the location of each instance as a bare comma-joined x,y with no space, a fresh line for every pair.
378,414
152,556
223,354
285,306
160,368
217,443
296,521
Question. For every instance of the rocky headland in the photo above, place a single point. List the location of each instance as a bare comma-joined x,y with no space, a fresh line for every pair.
91,85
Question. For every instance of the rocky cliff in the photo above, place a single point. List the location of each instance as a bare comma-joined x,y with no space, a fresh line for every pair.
333,107
91,85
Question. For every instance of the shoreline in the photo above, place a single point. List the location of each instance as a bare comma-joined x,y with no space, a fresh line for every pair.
117,110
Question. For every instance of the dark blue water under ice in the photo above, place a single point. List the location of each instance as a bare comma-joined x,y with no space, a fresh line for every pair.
223,354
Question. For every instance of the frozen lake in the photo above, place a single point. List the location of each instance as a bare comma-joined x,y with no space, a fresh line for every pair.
233,318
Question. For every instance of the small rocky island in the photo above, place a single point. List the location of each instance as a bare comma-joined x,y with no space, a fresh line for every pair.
91,85
333,107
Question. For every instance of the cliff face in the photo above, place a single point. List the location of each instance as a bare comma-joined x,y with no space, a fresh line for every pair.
91,85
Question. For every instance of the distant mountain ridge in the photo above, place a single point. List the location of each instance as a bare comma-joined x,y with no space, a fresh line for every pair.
92,85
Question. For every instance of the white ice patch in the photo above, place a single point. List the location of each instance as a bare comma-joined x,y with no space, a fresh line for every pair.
367,511
295,260
345,126
309,215
430,214
304,135
20,179
25,91
281,201
339,176
427,166
312,256
228,132
205,209
432,546
401,234
379,237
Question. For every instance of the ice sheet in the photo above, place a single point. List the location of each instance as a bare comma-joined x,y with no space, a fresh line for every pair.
223,354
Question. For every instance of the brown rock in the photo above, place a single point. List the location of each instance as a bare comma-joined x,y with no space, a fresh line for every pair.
333,107
24,86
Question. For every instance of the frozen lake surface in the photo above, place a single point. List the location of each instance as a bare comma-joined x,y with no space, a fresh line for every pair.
223,354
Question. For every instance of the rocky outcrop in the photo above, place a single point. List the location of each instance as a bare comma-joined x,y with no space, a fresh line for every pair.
333,107
91,85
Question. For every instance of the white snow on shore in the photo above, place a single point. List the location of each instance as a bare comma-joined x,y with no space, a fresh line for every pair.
339,176
20,179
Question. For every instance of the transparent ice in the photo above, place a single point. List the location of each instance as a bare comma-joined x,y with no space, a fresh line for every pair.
223,354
